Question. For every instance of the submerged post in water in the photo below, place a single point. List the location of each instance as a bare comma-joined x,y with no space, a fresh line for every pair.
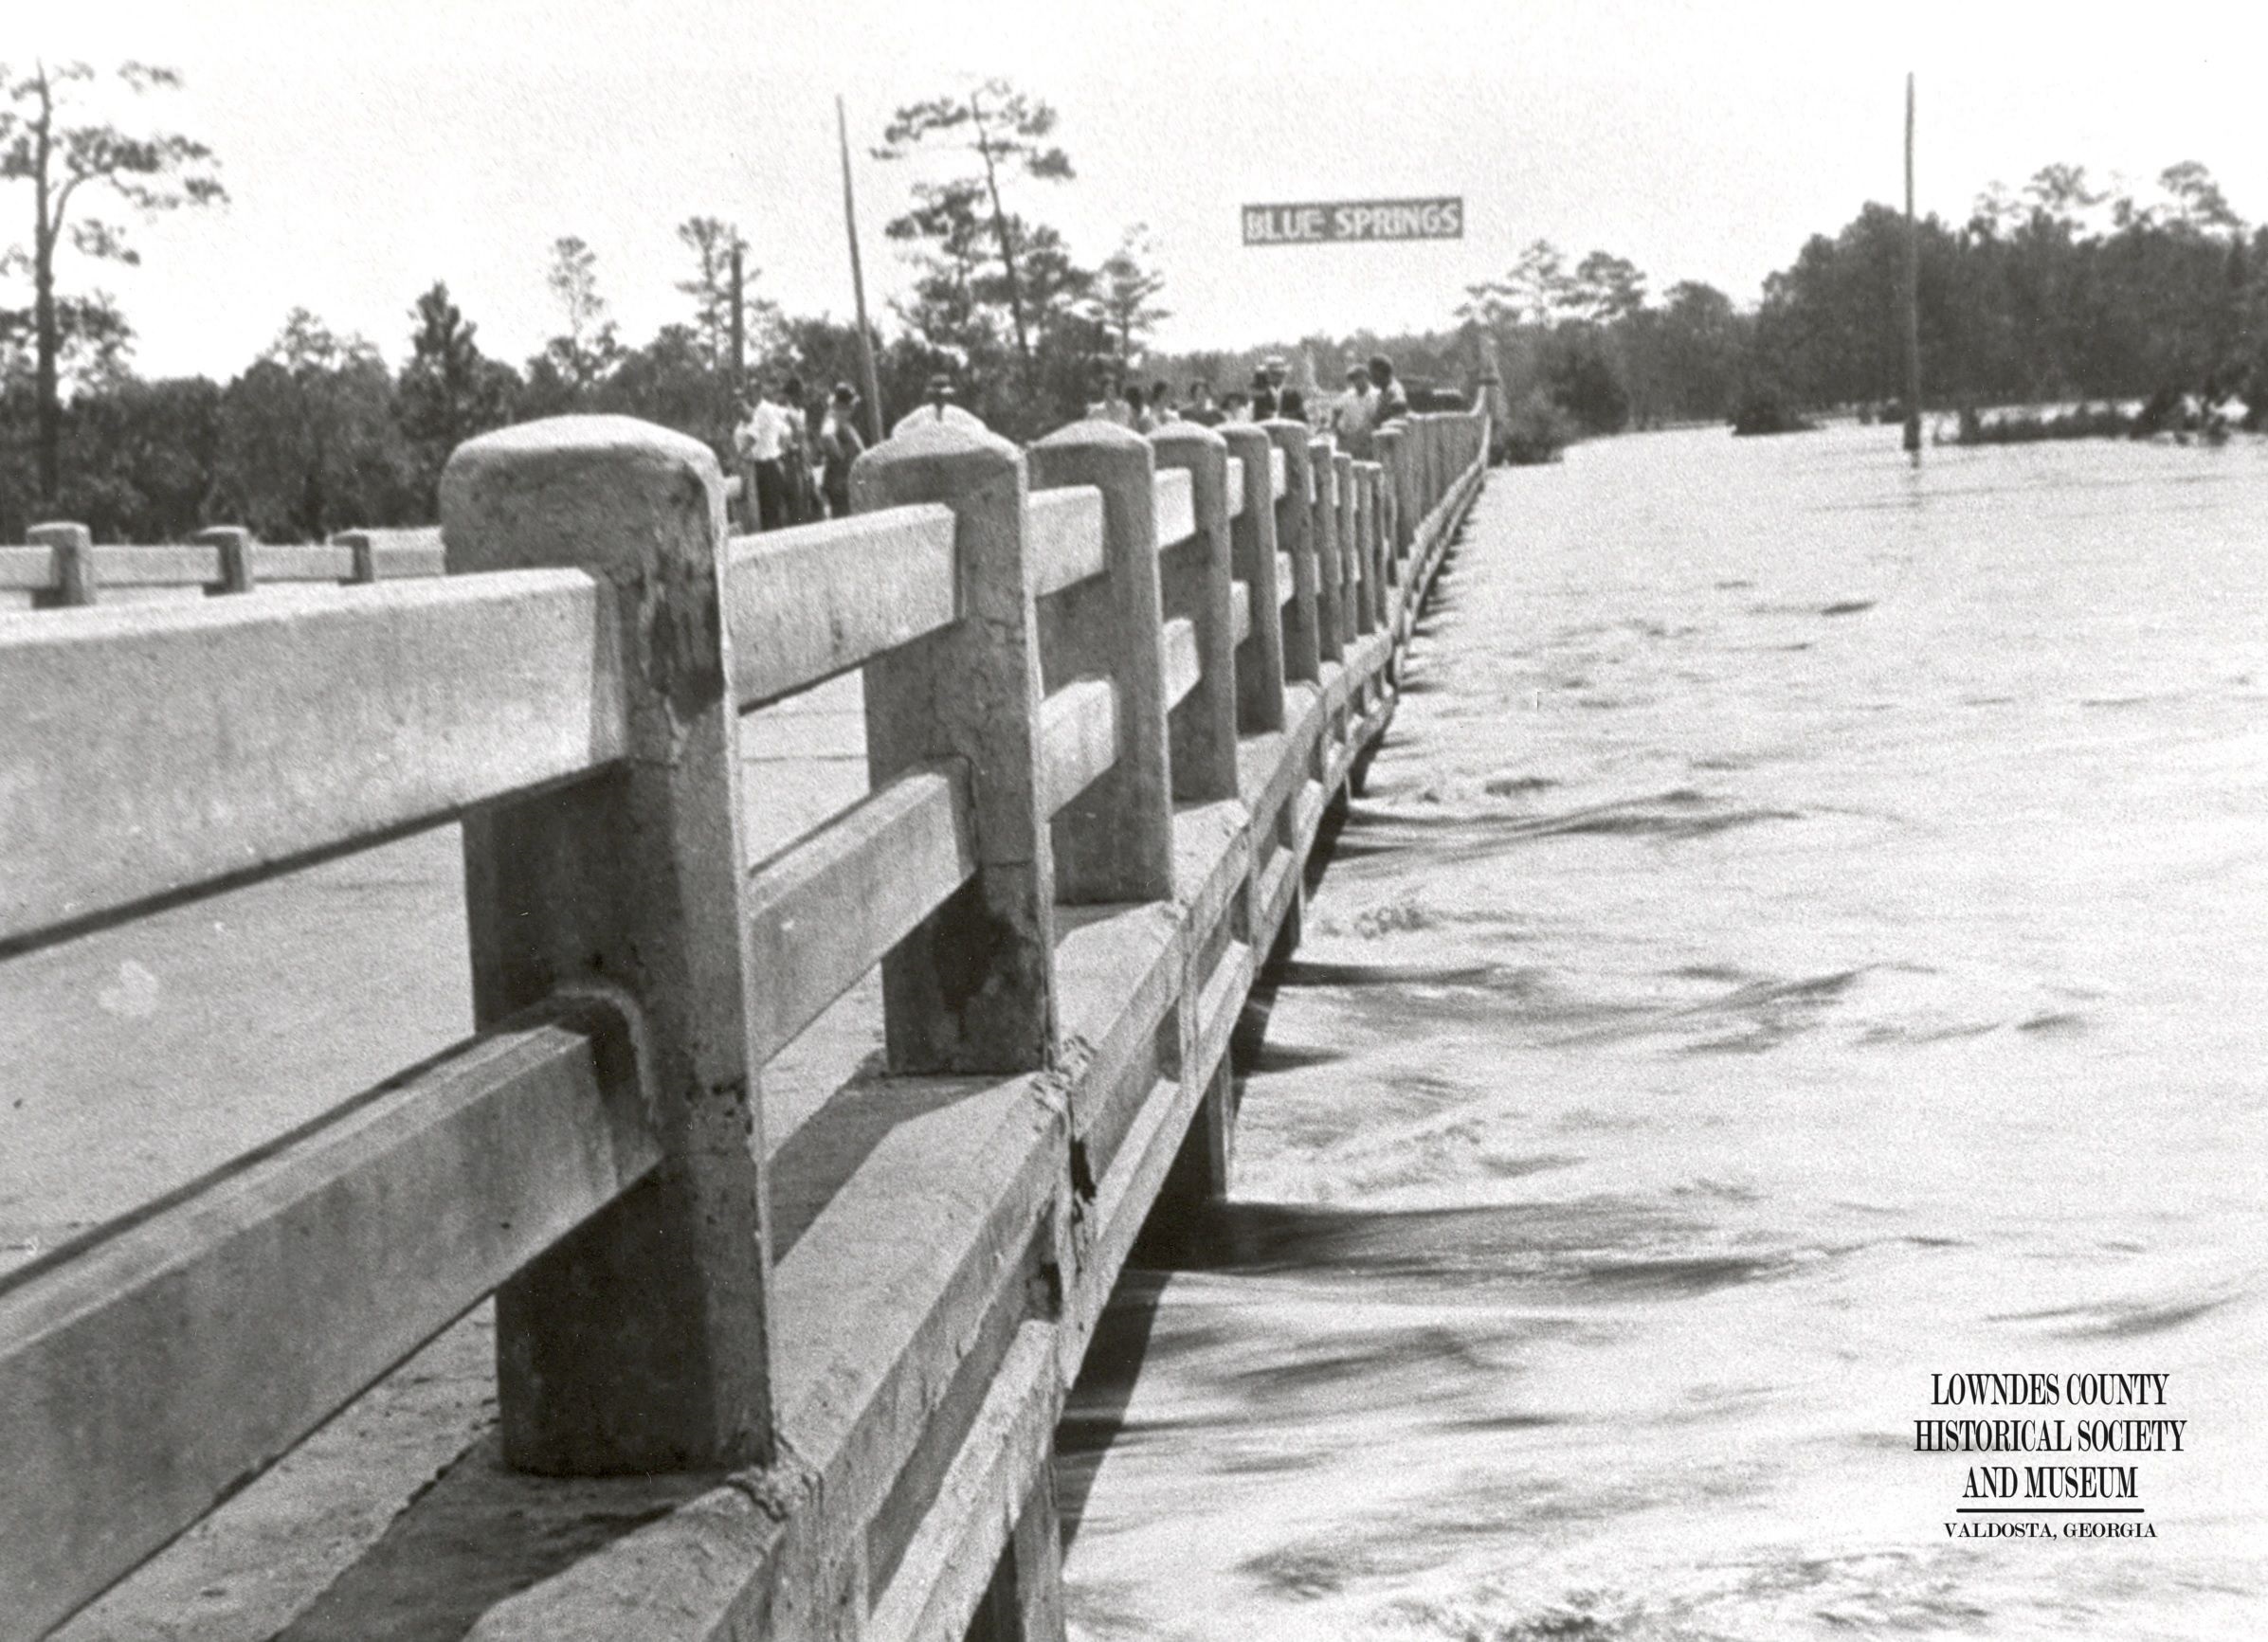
1913,295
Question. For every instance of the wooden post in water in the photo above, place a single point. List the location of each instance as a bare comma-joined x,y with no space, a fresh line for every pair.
1913,295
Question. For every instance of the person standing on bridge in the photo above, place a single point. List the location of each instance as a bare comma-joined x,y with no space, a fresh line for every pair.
939,408
1392,402
763,439
838,446
803,504
1277,373
1353,419
1263,392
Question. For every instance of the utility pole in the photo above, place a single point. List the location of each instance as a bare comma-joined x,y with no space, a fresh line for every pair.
858,285
1913,295
739,325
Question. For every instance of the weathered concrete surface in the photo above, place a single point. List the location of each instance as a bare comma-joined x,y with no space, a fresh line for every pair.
827,909
1114,840
807,604
802,764
1065,531
309,1271
360,969
1078,740
1296,540
1195,577
1253,559
639,1342
376,710
969,990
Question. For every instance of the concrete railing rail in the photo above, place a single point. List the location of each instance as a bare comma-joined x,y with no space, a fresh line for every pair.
60,566
1111,685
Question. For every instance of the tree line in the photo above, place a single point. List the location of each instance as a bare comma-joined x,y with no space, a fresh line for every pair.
319,433
2059,290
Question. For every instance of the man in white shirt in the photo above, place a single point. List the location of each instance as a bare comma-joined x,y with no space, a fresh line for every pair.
1351,421
939,408
762,441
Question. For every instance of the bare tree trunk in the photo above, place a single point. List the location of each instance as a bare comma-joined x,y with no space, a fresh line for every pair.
1008,243
50,410
46,229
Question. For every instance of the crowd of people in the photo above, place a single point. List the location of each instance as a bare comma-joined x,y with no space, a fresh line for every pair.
1373,397
798,457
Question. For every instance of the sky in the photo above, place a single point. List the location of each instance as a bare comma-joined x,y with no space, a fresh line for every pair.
370,147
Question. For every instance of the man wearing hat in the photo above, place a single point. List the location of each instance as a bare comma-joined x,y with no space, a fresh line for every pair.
1264,382
939,408
838,446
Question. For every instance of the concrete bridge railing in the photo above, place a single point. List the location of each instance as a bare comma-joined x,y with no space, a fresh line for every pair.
1111,685
61,566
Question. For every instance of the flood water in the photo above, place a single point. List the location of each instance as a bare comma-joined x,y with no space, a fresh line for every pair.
1806,931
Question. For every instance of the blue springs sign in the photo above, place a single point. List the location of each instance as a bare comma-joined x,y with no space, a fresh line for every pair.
1337,222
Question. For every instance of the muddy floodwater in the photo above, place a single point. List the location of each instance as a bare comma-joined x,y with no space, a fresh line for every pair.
1807,933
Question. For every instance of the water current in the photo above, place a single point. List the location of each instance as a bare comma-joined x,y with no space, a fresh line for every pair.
1806,931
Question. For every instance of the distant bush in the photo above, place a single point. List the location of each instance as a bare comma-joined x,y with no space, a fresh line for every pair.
1764,408
1582,370
1534,432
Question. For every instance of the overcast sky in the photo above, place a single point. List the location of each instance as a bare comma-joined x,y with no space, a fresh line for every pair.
373,146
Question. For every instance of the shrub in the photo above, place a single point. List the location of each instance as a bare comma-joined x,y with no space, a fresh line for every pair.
1535,431
1764,408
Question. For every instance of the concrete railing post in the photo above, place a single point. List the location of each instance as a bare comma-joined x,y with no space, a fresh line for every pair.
1382,496
1296,540
73,547
1382,520
1252,555
1331,566
1354,548
1114,840
362,554
1401,491
1366,546
235,544
972,989
1023,1601
1194,581
639,1343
